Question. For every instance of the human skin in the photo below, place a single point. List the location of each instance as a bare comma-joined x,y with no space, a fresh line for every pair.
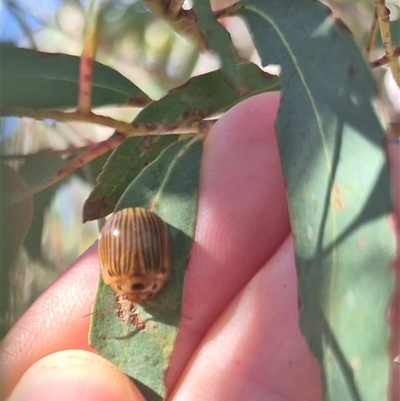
243,340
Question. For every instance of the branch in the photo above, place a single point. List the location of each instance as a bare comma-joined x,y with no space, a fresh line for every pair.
183,22
44,153
383,14
87,59
384,59
92,153
372,35
125,129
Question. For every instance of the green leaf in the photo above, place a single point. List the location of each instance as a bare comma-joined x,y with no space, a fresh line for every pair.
331,145
207,95
200,97
217,39
35,79
15,221
90,171
124,164
170,185
34,171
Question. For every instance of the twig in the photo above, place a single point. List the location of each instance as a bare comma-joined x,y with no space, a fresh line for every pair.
372,35
383,14
126,129
92,153
87,60
183,22
200,127
46,153
384,60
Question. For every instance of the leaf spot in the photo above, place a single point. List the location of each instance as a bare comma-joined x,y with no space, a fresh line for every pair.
361,242
147,142
338,200
351,72
355,363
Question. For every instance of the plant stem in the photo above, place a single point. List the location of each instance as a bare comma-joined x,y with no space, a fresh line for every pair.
126,129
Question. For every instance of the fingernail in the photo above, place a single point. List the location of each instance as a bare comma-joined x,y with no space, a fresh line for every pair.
74,375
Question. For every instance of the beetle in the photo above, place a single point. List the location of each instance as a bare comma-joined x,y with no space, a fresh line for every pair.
135,253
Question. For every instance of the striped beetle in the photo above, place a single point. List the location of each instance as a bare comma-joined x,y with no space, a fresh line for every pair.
135,253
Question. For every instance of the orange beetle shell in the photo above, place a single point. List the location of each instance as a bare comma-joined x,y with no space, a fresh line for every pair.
135,253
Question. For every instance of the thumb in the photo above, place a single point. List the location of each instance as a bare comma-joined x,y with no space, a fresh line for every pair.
74,375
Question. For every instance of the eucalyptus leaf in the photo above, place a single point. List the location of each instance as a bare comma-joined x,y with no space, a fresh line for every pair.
33,79
124,164
216,39
15,222
33,171
169,187
207,95
202,96
331,145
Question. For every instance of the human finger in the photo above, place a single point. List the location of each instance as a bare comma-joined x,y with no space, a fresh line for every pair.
53,323
255,350
74,375
242,217
241,209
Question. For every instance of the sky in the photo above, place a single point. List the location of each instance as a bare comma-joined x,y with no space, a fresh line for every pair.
18,17
21,16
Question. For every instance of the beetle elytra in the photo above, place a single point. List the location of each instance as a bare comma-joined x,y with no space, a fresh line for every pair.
135,253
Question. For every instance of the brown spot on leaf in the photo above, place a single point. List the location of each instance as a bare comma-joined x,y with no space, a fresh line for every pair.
201,114
320,326
185,115
351,72
139,100
147,142
154,204
361,242
94,209
300,304
330,359
338,200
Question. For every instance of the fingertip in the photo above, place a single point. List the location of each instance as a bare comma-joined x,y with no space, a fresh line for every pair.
74,375
242,216
54,322
257,337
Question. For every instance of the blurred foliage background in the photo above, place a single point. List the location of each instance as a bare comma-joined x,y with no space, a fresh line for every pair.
145,50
